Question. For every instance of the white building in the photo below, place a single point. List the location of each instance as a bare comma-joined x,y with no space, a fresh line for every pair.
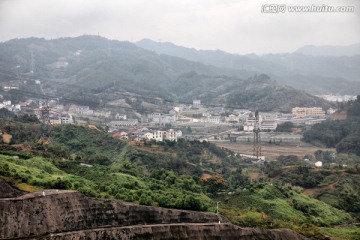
120,116
196,103
214,119
160,136
303,112
16,108
331,111
268,125
232,118
7,103
162,119
124,123
83,110
55,121
249,127
65,119
318,164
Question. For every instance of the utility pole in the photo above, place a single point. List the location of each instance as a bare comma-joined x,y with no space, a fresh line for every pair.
257,145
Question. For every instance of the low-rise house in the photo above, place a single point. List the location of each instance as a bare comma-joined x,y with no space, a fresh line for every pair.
160,136
120,116
318,164
162,119
83,110
67,119
331,111
64,119
268,125
248,127
214,119
303,112
124,123
7,103
232,118
196,103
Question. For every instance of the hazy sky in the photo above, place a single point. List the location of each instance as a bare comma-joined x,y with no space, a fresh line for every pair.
236,26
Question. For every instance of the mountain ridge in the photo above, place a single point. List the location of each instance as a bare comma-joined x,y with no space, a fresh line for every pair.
95,65
333,74
330,50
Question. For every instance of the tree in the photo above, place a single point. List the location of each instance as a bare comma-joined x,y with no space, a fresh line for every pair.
284,127
214,184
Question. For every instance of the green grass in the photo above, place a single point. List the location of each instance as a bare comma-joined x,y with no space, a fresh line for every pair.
344,232
102,181
41,172
328,180
281,203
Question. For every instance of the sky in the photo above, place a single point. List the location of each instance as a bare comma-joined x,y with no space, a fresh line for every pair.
235,26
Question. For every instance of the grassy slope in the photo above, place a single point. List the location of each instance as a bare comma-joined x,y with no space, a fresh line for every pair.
344,232
130,176
284,204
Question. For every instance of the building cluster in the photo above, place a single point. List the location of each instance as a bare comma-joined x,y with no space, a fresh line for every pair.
338,98
160,126
265,124
305,112
145,134
86,111
9,106
159,136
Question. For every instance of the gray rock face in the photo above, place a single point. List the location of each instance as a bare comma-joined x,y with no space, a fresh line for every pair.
55,214
184,231
6,191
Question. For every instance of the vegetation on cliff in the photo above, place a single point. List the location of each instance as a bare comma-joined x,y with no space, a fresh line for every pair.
184,174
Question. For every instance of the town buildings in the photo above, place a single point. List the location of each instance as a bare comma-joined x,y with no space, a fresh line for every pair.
159,136
304,112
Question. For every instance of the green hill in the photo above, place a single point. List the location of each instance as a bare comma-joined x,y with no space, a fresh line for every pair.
342,134
309,68
91,70
185,174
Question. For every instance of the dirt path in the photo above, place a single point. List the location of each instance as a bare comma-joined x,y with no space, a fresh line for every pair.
332,186
37,194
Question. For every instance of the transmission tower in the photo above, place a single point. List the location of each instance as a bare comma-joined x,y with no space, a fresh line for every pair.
257,144
46,124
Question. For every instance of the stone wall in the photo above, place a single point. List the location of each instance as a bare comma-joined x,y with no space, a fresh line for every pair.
54,214
54,211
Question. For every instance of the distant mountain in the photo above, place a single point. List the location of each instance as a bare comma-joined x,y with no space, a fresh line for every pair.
95,71
313,74
338,51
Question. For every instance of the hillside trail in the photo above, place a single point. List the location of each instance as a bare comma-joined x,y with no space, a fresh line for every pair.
332,186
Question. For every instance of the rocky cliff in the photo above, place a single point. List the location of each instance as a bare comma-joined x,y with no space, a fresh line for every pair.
6,191
54,214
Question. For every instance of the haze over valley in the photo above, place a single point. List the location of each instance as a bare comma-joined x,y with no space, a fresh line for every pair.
221,119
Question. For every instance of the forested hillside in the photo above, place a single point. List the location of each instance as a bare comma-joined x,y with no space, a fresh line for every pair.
80,68
342,134
317,70
184,174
